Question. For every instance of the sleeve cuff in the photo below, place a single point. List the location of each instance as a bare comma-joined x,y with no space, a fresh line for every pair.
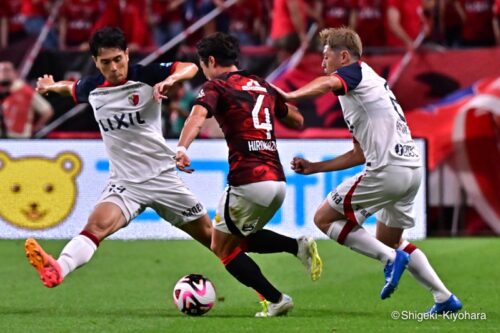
206,106
344,85
73,92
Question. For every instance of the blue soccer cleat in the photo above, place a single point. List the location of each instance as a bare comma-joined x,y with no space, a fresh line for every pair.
451,305
393,272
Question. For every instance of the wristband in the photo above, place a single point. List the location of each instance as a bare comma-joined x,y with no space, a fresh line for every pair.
181,149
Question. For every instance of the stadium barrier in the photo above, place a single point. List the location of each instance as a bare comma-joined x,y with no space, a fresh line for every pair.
49,187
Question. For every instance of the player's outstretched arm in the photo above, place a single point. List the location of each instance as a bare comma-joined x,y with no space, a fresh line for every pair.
190,131
46,84
183,71
317,87
344,161
293,119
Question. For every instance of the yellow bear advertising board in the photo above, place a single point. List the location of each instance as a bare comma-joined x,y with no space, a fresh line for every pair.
38,192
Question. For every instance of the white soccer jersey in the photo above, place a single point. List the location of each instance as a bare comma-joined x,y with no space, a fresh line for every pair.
375,118
130,121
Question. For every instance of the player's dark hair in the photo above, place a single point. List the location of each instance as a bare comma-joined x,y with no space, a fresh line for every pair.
109,38
223,47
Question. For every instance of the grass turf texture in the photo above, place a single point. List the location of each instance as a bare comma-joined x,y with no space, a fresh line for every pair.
127,287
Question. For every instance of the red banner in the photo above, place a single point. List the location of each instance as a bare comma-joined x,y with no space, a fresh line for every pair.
476,142
430,76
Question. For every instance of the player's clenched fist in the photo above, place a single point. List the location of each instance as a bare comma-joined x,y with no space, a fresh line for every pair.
302,166
183,161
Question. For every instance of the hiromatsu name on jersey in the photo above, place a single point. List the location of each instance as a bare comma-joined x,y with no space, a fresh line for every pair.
258,145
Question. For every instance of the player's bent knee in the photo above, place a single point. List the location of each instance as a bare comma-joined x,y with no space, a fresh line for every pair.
205,224
200,230
103,227
224,250
321,222
97,228
106,219
217,249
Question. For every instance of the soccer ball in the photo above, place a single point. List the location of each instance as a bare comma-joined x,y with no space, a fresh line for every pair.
194,294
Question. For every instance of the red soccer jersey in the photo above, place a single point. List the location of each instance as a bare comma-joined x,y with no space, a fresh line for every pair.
17,109
370,23
410,12
282,23
81,16
244,106
130,17
243,15
451,16
31,8
162,9
12,10
477,27
336,13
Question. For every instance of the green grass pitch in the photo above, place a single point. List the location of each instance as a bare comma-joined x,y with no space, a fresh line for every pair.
127,287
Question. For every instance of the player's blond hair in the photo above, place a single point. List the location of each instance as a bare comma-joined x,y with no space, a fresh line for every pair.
342,37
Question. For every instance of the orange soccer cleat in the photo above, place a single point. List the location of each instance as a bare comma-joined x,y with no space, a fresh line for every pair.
46,266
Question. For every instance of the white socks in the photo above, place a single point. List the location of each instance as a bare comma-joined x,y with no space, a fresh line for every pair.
76,253
423,272
359,240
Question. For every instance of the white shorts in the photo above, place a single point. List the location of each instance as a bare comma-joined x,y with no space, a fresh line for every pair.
389,192
166,194
247,208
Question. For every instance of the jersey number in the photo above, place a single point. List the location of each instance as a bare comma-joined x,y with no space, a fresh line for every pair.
266,125
395,103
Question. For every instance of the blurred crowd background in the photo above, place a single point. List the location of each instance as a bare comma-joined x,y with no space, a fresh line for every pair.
382,24
269,32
